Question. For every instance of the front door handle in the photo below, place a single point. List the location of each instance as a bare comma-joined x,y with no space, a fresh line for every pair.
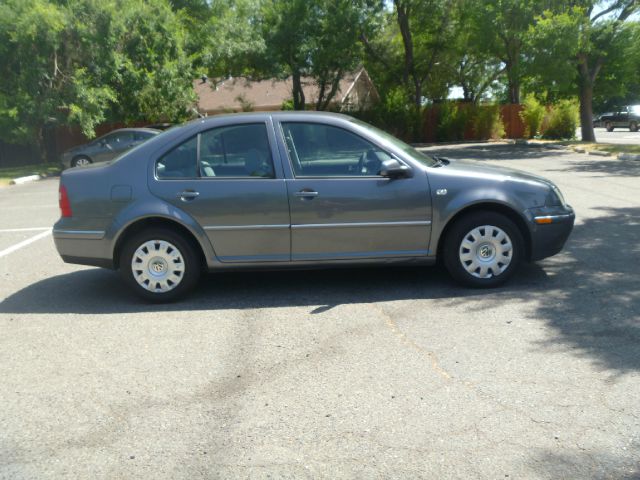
306,193
188,195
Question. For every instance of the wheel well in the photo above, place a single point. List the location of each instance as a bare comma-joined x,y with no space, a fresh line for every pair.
143,224
489,207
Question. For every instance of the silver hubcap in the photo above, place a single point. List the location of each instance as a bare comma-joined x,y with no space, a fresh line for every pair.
486,251
81,162
157,266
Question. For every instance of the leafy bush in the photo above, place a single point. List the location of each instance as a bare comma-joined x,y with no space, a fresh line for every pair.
487,122
532,115
396,115
452,122
287,105
562,120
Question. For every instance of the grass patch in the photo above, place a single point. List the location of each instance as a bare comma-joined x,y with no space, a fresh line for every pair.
615,148
44,169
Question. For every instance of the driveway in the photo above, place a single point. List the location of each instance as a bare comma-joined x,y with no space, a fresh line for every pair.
365,373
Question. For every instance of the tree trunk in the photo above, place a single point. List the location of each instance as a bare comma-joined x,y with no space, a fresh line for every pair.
513,81
298,93
407,42
586,110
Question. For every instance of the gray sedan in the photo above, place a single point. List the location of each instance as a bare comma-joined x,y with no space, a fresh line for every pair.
299,189
107,147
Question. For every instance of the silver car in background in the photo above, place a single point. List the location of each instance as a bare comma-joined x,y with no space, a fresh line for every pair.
107,147
300,189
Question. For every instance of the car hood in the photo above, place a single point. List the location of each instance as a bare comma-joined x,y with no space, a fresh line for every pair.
477,169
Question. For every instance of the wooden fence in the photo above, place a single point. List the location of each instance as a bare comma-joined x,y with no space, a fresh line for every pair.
59,139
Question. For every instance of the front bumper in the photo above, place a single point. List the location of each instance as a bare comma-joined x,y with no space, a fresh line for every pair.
550,228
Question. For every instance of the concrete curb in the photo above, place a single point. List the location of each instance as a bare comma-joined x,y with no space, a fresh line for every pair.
600,153
28,178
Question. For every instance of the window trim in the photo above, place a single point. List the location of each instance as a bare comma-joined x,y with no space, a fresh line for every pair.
199,176
342,177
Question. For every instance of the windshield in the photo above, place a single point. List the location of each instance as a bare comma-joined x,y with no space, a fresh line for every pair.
400,145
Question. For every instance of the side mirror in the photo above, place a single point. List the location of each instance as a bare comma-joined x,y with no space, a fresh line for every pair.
392,168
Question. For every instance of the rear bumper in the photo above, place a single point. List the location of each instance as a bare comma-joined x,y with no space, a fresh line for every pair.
548,238
83,247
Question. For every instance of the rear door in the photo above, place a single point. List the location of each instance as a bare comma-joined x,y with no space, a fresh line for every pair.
226,178
341,208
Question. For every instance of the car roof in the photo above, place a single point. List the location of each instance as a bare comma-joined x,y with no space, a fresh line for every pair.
140,129
310,115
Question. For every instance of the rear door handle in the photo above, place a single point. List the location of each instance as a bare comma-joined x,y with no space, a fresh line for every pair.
188,195
306,193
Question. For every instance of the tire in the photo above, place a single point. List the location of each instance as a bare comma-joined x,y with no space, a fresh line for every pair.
497,249
608,126
81,161
156,250
633,127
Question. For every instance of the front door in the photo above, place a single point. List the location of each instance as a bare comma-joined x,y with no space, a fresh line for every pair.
341,208
225,179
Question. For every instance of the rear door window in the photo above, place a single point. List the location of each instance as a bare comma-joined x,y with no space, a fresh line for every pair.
235,151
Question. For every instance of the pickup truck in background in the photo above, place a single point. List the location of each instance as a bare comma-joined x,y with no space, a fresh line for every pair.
625,117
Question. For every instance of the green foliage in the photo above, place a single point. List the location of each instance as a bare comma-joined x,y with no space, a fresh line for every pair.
452,121
562,120
48,72
81,62
287,105
532,115
487,122
395,115
313,38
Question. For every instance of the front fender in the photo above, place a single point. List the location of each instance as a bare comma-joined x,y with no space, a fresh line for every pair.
451,204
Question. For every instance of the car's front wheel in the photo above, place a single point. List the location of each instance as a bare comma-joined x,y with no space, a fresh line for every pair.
633,126
608,126
159,265
483,249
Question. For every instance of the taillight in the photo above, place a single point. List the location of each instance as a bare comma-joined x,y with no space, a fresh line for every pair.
63,201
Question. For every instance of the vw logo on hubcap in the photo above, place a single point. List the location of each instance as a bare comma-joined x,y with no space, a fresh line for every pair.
485,251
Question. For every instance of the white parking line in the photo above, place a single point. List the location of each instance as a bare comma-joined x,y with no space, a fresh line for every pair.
24,243
33,229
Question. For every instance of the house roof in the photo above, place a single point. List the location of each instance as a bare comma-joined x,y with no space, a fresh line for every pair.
230,94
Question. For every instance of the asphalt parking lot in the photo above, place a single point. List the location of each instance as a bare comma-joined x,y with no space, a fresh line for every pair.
619,135
363,373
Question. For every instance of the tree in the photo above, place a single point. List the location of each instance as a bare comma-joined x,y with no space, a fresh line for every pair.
571,44
49,75
81,62
425,28
501,30
315,38
472,60
154,76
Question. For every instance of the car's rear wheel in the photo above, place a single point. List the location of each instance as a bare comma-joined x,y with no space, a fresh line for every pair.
81,161
633,126
483,249
608,126
159,265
